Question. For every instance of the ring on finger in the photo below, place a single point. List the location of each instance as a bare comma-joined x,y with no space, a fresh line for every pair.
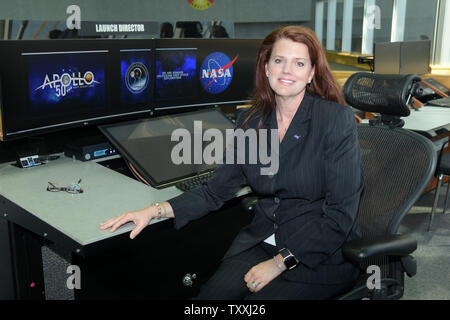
255,284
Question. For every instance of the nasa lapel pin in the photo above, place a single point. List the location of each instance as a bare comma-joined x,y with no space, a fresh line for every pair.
297,137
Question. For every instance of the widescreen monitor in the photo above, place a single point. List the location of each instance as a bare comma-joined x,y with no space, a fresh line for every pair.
204,72
62,85
147,144
53,85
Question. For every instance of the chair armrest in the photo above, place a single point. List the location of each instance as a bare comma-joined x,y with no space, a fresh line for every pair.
388,245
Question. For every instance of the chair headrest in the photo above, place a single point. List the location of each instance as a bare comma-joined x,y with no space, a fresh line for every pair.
387,94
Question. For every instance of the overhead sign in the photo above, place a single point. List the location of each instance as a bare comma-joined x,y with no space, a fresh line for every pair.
91,28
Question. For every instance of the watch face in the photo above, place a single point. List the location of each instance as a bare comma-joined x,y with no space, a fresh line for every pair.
288,259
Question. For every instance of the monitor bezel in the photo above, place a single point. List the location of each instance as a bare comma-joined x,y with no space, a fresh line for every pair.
18,87
12,61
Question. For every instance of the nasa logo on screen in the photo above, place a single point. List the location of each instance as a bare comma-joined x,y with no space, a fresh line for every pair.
200,4
216,72
136,77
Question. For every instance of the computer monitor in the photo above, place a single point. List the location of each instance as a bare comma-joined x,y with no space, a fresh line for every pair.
197,73
387,57
52,85
61,86
415,57
402,57
147,144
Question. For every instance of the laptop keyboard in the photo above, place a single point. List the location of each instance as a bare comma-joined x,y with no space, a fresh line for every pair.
190,183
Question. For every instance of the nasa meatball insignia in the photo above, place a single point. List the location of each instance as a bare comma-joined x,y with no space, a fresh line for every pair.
216,72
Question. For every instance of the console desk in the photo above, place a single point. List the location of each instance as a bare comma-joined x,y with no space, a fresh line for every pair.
43,233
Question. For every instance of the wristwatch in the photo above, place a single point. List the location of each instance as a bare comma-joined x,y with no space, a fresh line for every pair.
288,258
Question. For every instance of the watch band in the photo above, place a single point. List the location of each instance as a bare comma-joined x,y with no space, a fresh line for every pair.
288,258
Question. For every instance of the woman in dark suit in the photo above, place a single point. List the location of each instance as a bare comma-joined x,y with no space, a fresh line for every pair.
307,209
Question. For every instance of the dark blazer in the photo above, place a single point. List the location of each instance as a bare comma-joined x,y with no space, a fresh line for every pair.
310,204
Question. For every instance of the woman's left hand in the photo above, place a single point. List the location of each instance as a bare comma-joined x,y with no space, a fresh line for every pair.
261,274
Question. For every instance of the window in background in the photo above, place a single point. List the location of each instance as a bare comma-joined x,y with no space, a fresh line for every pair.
382,30
358,15
419,22
339,25
324,25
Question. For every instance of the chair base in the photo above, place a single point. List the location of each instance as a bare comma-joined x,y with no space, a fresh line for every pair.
390,289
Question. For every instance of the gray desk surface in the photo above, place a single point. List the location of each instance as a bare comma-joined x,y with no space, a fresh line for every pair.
106,194
427,119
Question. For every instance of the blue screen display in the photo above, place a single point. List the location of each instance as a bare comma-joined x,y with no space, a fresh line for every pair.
176,73
135,70
63,82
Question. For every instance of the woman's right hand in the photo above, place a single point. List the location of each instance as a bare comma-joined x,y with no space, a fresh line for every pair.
140,218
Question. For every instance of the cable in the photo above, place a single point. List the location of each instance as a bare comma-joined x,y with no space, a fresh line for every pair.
136,174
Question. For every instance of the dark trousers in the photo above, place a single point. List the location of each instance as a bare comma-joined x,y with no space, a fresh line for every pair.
228,281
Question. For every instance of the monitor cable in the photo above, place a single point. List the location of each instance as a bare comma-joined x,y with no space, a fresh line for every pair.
136,173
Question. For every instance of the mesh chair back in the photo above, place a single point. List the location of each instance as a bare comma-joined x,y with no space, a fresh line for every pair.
386,94
398,164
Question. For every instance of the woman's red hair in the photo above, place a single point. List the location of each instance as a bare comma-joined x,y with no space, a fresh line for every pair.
323,84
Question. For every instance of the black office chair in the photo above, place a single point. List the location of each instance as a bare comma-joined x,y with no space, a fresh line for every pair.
398,165
443,169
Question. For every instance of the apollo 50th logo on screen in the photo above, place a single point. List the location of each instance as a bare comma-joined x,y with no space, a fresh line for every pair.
68,80
216,72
